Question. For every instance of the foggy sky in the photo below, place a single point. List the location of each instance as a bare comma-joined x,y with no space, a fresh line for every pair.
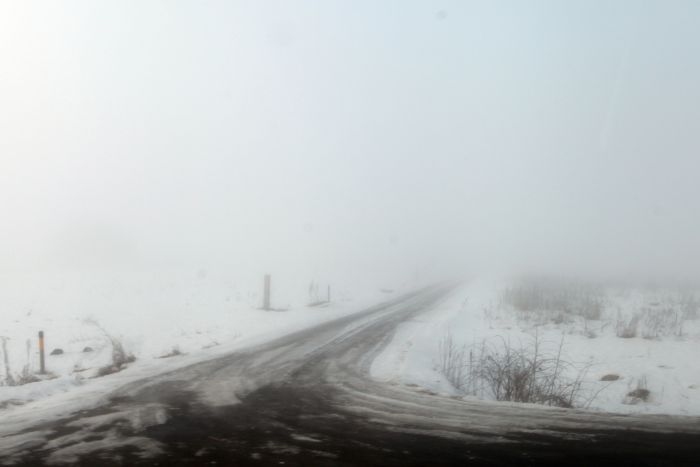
372,137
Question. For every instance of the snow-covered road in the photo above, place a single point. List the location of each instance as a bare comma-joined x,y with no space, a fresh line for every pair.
308,399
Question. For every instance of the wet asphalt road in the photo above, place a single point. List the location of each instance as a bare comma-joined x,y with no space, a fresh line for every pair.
307,399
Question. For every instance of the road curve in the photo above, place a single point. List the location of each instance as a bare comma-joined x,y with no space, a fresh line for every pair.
308,399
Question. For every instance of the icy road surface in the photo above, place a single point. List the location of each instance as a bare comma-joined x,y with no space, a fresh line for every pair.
308,399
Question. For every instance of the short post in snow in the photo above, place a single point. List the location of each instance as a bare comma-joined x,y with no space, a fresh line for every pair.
329,294
42,359
266,293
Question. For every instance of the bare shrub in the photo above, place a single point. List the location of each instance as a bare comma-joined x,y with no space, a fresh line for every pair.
626,327
661,322
452,364
522,374
689,306
26,376
9,380
120,357
510,373
640,394
591,308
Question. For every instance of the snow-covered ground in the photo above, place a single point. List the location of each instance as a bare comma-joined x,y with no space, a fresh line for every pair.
165,321
203,315
477,315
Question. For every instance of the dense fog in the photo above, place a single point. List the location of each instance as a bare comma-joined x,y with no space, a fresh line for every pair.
346,140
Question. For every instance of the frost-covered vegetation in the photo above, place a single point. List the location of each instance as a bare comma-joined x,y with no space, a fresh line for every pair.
555,300
649,312
503,371
613,347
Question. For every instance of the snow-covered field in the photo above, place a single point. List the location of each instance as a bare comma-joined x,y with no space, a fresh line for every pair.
165,321
661,358
172,320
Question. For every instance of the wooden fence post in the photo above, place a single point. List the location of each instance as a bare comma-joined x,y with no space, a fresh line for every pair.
42,360
266,293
